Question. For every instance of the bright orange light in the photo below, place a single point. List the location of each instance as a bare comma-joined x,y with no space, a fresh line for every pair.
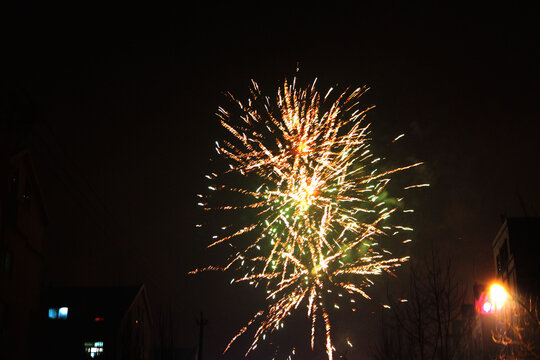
498,296
303,148
492,300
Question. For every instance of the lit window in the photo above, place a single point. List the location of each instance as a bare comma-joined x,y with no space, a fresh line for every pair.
93,349
63,313
53,313
58,313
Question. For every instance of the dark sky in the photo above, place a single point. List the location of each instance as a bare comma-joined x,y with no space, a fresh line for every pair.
127,96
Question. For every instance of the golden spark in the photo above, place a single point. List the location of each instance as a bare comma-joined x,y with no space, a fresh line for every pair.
300,168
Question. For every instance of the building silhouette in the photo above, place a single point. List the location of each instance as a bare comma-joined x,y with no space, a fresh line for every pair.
515,253
515,262
23,223
23,226
96,323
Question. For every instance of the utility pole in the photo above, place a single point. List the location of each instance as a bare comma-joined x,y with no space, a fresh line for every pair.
202,322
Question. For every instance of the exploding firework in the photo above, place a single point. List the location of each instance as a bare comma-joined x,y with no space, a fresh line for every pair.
309,204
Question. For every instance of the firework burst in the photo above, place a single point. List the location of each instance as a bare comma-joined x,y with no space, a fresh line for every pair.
301,171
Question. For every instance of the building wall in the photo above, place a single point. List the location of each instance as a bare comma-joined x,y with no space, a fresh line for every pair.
135,331
515,252
503,259
22,233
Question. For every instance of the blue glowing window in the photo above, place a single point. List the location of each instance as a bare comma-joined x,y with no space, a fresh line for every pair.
58,313
63,313
53,313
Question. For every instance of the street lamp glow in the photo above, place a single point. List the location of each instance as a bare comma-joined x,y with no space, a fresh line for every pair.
498,296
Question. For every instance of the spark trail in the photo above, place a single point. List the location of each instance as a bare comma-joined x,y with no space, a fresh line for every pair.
301,170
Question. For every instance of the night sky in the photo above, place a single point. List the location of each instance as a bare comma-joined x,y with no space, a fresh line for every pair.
127,97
